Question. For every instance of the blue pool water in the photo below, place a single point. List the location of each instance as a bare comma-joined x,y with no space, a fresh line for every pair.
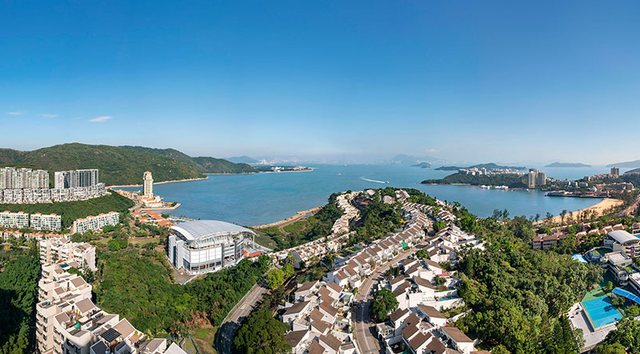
253,199
601,311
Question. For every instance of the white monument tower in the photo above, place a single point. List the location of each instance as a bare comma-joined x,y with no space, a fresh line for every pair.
148,184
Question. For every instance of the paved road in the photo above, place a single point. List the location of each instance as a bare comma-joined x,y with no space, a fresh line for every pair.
226,332
365,337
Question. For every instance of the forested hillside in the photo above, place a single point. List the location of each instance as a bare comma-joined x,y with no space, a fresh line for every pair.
120,164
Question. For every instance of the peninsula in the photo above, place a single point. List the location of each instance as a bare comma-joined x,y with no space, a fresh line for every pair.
488,166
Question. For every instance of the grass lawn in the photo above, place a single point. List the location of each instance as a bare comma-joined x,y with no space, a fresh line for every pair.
204,339
266,241
593,294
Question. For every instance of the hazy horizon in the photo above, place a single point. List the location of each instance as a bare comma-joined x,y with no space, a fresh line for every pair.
327,81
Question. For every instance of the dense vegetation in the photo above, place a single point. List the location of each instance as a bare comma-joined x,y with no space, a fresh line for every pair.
120,164
261,334
510,180
19,273
139,287
519,296
625,339
488,166
384,303
308,229
377,219
71,211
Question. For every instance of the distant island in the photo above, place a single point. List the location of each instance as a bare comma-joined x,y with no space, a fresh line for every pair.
504,179
627,164
422,165
488,166
120,165
567,164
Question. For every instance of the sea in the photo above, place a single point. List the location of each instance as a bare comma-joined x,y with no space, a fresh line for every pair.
254,199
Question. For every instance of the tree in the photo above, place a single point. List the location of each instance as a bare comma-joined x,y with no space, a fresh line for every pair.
384,302
615,348
261,334
275,278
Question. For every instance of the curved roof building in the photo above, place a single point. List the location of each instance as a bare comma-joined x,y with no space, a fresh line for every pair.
623,241
206,245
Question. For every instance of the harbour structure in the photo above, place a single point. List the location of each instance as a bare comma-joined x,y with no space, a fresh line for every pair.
76,178
95,223
204,246
148,184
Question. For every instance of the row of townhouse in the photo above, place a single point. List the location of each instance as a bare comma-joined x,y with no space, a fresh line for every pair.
15,234
51,195
424,329
67,320
340,231
351,273
320,319
546,241
349,212
95,223
37,221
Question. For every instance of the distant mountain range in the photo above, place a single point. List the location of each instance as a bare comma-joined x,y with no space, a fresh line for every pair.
242,159
628,164
567,164
488,166
120,164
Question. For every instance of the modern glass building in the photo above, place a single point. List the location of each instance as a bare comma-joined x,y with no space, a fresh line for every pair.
204,246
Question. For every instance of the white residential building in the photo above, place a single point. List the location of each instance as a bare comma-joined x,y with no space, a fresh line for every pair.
11,220
57,249
45,222
95,223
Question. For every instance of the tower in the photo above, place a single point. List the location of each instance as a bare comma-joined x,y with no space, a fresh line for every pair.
148,184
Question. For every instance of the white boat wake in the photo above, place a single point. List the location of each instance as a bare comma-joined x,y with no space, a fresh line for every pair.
374,180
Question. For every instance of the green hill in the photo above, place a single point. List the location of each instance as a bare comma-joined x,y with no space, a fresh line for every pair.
120,164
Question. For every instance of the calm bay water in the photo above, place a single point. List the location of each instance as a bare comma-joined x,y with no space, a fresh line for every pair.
254,199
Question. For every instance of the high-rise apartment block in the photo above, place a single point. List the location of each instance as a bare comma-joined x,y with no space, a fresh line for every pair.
148,184
67,321
19,178
615,172
536,178
76,178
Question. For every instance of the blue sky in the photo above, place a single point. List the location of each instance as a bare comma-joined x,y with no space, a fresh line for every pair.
355,80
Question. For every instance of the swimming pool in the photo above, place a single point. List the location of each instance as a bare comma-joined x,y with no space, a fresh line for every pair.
601,312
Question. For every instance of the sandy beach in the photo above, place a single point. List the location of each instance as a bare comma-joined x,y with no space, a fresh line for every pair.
284,222
602,207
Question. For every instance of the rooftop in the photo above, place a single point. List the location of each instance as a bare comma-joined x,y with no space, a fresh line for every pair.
193,230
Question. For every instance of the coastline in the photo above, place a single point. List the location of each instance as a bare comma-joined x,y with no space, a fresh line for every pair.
161,182
205,178
600,208
286,221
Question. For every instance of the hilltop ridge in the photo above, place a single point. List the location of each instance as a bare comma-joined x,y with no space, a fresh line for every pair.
121,164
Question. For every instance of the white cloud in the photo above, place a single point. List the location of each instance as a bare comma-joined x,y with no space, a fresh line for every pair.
48,115
100,119
15,114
